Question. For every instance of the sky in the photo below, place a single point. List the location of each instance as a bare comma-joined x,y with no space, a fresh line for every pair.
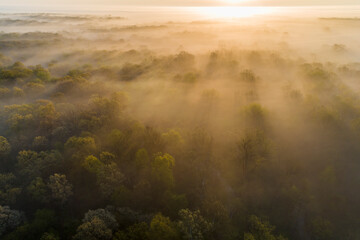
182,2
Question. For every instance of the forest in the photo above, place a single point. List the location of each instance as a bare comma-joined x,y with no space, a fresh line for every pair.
179,130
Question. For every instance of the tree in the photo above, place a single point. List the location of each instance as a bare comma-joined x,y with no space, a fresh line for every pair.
138,231
193,226
260,230
93,230
255,117
49,236
92,164
110,179
60,188
107,158
322,229
173,140
97,225
9,219
252,150
8,191
162,228
79,147
32,164
42,73
5,147
104,215
142,159
162,171
40,143
38,190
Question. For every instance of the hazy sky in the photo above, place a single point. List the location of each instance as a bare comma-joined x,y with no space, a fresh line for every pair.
180,2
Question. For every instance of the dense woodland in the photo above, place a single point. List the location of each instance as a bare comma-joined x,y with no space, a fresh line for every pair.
109,131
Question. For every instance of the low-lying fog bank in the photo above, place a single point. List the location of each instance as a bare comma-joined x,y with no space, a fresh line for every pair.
253,121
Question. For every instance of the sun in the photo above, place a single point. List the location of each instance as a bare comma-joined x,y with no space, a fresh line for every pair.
234,1
233,11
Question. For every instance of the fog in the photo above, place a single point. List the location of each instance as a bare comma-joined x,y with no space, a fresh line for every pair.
260,111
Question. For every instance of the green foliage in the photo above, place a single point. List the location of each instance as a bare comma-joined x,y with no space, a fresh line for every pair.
49,236
97,225
8,189
32,164
93,230
42,73
193,226
137,231
4,92
110,179
131,71
38,190
40,143
92,164
18,92
142,159
107,158
161,171
9,219
60,188
253,150
17,70
259,229
162,228
255,116
79,147
43,221
102,214
321,229
5,146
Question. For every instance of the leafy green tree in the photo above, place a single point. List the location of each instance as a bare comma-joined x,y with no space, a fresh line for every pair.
104,215
322,229
79,147
138,231
107,158
97,225
5,146
252,150
18,92
93,230
49,236
40,143
4,92
60,188
110,179
162,228
142,159
193,226
32,164
9,219
44,220
8,189
17,70
256,116
38,190
162,171
117,142
42,73
260,230
173,139
92,164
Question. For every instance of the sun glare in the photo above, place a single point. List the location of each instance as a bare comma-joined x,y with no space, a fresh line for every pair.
234,1
233,12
